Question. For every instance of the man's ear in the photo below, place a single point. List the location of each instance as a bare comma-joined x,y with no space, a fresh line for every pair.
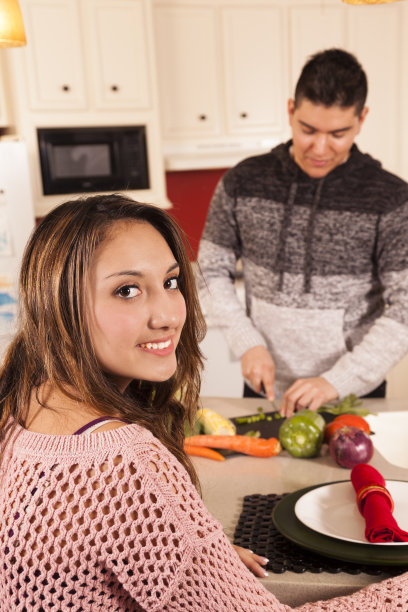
362,117
291,109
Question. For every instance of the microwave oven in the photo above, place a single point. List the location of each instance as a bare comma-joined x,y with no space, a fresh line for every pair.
90,159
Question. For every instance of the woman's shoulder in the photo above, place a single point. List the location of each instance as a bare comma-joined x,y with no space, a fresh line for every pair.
47,447
130,452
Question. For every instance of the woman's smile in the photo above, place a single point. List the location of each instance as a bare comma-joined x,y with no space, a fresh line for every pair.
158,347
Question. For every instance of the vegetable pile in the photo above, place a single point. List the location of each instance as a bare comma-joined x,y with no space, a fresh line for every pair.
213,431
348,435
302,435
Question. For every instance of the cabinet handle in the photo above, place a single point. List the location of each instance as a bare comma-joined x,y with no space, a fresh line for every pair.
202,117
65,88
114,87
243,115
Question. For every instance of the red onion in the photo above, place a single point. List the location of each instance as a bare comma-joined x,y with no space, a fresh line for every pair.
349,446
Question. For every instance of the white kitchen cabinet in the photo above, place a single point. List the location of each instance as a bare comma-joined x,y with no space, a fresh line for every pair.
4,110
86,53
376,37
117,53
252,50
222,372
187,52
313,28
54,54
219,68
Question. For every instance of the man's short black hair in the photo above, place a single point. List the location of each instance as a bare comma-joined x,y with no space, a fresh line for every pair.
333,77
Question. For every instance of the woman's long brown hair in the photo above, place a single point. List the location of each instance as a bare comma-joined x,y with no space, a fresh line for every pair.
53,342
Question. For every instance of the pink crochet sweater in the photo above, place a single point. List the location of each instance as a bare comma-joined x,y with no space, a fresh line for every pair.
111,522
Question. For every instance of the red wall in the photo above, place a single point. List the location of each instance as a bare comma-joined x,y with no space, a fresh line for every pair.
190,192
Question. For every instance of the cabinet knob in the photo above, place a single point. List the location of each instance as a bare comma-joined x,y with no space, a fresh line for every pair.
65,88
243,115
202,117
114,87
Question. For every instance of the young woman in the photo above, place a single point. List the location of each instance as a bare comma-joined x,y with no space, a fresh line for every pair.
99,503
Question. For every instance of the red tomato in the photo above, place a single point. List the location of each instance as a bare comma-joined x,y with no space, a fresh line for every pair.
351,420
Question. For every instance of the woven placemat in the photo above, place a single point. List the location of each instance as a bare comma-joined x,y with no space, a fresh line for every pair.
255,530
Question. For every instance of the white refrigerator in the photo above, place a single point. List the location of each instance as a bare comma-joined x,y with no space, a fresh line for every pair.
16,225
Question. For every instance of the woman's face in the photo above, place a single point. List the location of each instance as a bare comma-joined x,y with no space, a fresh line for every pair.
135,308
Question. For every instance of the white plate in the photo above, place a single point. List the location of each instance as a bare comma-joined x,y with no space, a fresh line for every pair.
332,511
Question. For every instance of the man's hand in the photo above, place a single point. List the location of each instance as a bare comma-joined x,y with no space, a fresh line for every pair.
308,393
259,369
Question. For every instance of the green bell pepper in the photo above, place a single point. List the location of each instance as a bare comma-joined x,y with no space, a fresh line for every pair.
302,433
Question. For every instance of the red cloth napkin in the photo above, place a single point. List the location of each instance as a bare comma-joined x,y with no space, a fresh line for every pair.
376,505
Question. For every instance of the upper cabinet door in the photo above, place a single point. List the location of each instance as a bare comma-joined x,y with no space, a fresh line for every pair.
118,53
253,70
187,44
54,55
383,62
4,116
313,29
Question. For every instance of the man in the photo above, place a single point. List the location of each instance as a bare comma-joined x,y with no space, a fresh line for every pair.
322,232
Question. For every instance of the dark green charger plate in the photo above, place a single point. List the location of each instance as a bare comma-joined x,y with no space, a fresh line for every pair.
286,521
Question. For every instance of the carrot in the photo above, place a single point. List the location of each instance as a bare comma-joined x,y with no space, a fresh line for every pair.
258,447
202,451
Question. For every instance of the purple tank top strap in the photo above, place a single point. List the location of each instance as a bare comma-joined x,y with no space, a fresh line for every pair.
98,421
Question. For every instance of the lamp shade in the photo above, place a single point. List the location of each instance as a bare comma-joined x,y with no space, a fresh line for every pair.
368,1
12,32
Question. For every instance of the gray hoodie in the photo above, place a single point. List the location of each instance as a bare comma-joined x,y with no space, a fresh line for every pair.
325,266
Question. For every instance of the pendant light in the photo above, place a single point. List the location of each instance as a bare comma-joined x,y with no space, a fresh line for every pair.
12,32
368,1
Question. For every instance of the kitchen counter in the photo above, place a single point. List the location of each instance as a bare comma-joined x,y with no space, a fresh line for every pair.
225,484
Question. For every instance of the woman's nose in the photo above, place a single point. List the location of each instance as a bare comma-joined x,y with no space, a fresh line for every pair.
164,313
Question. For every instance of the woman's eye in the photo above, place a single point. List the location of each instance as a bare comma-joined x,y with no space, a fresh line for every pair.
128,291
172,283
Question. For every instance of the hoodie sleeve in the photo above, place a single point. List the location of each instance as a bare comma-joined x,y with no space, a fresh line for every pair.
386,342
219,252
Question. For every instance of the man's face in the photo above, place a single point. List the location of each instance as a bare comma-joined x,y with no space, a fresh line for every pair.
322,135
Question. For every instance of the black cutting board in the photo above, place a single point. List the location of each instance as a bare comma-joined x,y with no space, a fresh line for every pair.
270,426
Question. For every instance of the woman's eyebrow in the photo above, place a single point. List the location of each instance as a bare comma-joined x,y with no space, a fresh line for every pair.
173,267
141,274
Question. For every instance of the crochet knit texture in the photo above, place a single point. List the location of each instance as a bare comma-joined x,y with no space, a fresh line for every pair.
111,521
